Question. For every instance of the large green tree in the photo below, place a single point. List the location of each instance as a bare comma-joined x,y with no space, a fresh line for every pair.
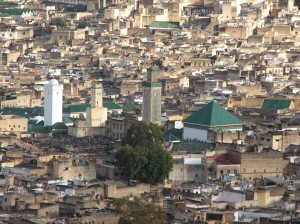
141,134
58,22
136,211
142,155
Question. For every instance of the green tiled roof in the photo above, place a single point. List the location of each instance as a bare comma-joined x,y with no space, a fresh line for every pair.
164,25
23,112
38,129
14,11
129,107
110,105
169,137
78,108
212,115
4,15
11,4
276,104
70,119
173,135
193,147
40,123
59,126
8,3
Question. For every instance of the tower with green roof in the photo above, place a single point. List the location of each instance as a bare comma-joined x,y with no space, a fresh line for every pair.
211,117
152,98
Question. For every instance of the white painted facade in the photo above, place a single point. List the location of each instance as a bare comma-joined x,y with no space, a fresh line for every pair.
194,134
229,196
53,103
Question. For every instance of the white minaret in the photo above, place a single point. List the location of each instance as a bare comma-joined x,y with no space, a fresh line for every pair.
53,102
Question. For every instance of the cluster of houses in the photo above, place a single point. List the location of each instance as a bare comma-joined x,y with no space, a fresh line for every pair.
223,78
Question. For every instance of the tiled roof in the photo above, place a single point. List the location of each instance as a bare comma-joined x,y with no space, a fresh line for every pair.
169,137
212,115
59,126
164,25
8,3
14,11
70,119
110,105
276,104
23,112
173,135
77,108
129,107
38,129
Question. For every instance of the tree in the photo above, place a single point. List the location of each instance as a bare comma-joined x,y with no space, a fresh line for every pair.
58,22
142,155
142,134
82,24
136,211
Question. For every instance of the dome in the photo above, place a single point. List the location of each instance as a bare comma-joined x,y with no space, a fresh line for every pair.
53,82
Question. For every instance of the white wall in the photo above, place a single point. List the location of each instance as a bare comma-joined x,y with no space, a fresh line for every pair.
191,133
227,196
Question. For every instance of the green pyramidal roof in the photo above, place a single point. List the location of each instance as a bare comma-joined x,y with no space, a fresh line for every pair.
212,115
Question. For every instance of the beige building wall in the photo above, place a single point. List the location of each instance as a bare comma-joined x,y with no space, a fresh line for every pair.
245,102
74,169
263,164
66,35
79,129
96,117
130,87
13,123
16,33
238,31
279,141
21,101
227,9
200,62
267,197
112,191
5,80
